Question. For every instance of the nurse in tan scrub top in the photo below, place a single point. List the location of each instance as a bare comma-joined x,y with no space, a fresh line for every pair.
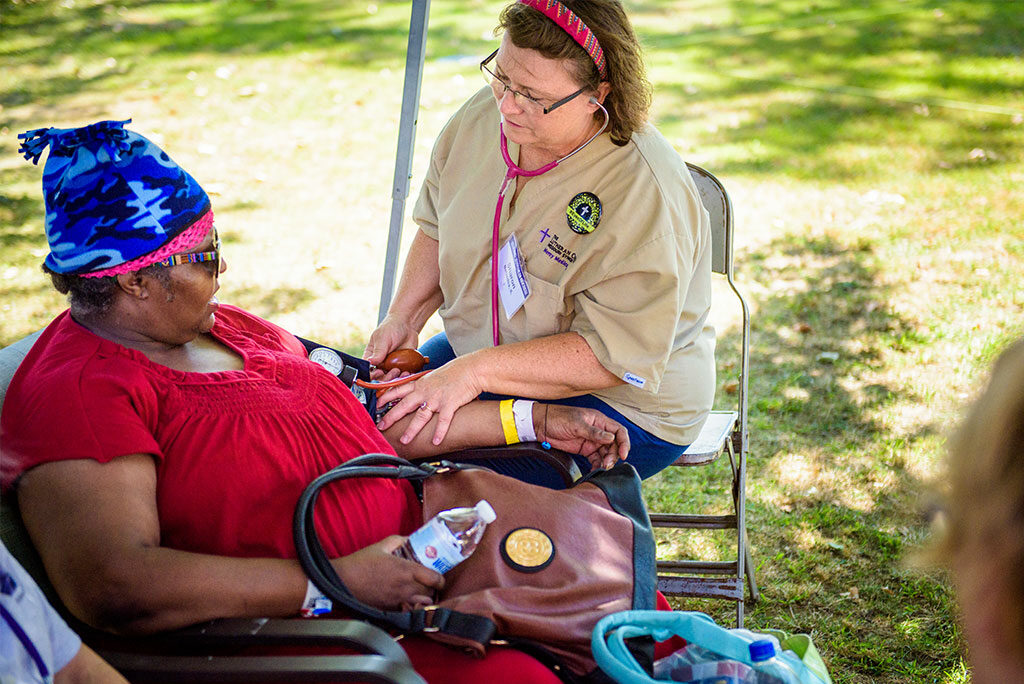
563,242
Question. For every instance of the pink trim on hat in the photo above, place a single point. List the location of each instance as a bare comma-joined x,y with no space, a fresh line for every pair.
184,241
574,26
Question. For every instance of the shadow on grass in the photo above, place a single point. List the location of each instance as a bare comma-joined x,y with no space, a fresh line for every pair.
877,46
833,505
268,302
21,224
858,55
17,211
914,35
145,30
801,141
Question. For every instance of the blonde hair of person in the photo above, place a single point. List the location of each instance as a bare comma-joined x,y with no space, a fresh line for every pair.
984,537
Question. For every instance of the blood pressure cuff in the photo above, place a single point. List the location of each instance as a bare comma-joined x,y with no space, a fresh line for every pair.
348,368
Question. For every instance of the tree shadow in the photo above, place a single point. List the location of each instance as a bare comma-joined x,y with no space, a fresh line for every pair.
15,212
834,500
788,45
270,302
844,61
344,33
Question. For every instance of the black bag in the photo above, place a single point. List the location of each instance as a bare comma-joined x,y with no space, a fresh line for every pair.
600,560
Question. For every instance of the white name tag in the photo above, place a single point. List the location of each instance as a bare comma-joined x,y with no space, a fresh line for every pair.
512,285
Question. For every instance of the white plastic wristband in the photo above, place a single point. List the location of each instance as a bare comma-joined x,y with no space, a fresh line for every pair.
315,602
522,413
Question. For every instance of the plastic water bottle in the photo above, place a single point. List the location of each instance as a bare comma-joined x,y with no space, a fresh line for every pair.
448,538
695,665
769,667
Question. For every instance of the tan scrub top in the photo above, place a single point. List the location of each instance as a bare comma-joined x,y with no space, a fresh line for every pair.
637,288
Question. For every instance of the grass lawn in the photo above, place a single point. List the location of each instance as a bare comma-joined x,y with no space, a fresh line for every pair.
874,153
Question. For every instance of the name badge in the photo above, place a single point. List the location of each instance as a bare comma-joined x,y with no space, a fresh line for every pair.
512,285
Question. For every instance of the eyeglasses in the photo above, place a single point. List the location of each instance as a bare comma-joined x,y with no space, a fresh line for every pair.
530,104
196,257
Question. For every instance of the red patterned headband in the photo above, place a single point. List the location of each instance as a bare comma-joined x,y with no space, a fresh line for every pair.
574,26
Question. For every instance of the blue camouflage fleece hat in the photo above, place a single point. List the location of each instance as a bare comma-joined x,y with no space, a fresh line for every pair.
114,201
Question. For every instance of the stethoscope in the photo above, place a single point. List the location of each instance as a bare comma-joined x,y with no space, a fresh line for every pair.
513,171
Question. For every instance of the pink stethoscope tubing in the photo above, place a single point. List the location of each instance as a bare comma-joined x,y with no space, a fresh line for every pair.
513,171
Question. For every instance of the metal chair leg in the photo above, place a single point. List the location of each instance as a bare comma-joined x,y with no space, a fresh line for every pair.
748,568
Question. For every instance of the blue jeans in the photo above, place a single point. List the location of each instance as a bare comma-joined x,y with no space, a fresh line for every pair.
647,453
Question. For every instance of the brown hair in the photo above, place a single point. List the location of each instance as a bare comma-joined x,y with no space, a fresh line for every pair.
630,96
985,503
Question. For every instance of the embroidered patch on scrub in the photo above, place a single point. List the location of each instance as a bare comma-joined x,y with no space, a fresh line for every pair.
634,380
554,250
583,213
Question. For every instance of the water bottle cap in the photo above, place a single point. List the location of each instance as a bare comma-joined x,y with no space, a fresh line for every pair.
762,650
485,511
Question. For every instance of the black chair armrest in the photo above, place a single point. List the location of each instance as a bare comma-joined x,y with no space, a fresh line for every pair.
325,631
210,652
225,651
142,668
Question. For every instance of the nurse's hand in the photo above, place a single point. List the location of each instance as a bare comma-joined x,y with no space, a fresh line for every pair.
392,333
443,391
583,431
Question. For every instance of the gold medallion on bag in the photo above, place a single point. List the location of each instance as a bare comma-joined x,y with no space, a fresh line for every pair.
527,549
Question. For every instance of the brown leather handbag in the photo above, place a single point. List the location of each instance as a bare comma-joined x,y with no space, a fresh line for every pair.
547,569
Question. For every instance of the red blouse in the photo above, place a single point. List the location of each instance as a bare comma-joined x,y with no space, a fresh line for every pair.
233,449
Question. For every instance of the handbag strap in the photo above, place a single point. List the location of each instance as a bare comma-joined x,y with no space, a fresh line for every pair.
318,567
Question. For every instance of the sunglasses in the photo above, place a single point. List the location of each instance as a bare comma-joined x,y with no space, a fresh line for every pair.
196,257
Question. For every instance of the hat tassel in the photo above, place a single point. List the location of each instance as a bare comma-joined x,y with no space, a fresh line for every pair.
35,142
108,133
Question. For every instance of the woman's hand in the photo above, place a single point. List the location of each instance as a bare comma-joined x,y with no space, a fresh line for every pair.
377,577
443,391
394,332
582,431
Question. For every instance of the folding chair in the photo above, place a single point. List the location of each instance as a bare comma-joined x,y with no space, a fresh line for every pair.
723,432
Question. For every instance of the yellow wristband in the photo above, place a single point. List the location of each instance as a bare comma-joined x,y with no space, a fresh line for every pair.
508,422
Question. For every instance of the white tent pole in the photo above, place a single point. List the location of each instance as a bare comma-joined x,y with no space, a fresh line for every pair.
414,58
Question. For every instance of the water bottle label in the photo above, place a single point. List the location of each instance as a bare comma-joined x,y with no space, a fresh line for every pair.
436,547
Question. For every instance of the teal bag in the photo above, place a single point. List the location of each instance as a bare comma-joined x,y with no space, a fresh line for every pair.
608,643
